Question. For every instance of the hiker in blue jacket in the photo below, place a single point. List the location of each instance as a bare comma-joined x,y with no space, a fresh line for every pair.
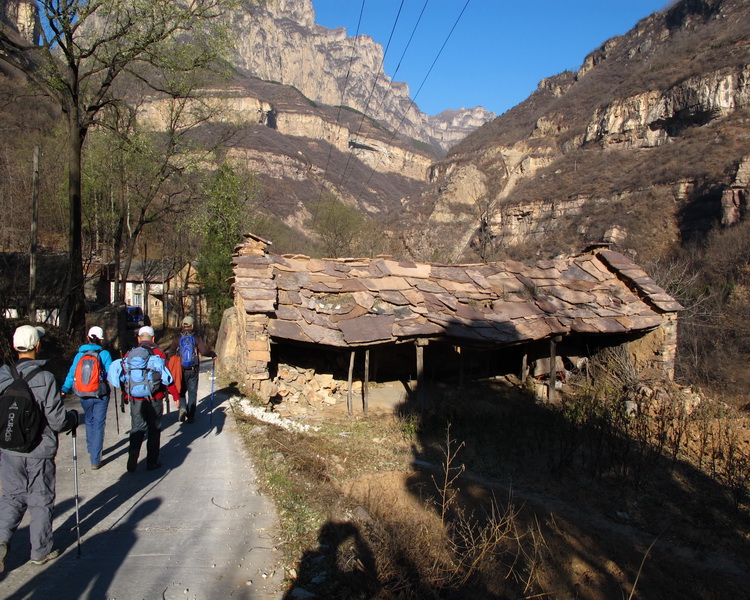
191,344
95,401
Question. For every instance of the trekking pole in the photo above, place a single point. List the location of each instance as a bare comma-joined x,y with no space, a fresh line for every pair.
122,392
117,415
75,482
213,377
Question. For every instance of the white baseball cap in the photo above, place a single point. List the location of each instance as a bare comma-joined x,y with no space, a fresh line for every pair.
146,330
96,332
26,337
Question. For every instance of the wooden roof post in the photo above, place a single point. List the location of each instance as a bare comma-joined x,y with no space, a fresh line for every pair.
349,389
461,368
552,367
366,382
421,395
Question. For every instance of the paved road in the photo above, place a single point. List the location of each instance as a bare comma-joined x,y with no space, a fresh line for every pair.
196,529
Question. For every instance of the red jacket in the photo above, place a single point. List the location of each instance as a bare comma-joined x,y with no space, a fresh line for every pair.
163,389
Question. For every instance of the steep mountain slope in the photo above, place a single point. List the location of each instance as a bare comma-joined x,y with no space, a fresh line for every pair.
303,152
293,112
646,146
278,40
315,115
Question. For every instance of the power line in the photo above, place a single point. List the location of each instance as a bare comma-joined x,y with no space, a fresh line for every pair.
401,59
421,85
341,104
372,90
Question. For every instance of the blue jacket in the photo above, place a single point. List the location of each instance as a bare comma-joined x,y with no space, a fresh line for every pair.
104,355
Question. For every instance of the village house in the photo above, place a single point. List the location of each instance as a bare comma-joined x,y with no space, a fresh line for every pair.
164,289
298,318
48,290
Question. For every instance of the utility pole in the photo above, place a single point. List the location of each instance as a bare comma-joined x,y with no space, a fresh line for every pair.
145,282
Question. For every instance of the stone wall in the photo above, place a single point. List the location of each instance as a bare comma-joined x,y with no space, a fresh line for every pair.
657,350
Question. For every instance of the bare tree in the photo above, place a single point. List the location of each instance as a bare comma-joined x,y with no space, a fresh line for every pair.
78,50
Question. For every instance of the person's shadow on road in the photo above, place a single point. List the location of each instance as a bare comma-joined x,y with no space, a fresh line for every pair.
342,566
90,575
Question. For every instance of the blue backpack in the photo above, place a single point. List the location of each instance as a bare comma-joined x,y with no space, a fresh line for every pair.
188,351
141,373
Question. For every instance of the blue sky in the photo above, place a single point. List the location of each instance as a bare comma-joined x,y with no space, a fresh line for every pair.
498,51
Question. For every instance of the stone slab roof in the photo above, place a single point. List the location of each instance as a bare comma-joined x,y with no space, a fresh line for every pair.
359,302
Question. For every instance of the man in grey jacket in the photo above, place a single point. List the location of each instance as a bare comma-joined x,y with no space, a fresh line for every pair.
28,479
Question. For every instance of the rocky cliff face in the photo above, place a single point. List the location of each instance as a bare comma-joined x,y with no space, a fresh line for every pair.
278,40
22,16
645,146
242,109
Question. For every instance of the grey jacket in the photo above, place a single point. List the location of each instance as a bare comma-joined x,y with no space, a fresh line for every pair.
45,390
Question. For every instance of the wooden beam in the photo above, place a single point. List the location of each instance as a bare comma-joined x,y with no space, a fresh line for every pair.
461,368
349,389
552,367
421,395
366,382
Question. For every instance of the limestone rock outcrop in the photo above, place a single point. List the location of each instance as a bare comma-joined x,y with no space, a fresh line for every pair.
635,148
22,16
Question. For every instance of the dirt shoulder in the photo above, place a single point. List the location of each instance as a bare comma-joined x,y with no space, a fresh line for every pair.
470,499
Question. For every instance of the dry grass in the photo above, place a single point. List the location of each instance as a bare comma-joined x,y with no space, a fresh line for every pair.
492,495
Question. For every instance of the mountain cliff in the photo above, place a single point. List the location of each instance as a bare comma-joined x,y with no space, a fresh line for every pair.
278,40
646,146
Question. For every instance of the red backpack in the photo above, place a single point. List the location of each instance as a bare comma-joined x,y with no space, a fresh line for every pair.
88,376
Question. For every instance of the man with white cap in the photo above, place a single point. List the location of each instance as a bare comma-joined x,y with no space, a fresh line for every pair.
145,413
87,379
28,478
190,346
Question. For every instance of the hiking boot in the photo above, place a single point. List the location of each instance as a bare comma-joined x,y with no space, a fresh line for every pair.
45,559
183,415
3,552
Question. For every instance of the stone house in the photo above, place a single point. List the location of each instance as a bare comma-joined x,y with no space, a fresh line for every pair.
298,317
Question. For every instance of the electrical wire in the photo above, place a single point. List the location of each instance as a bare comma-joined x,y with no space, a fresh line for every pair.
401,59
372,90
338,114
414,98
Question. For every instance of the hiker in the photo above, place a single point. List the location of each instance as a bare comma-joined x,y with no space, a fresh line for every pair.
28,478
145,381
190,346
87,379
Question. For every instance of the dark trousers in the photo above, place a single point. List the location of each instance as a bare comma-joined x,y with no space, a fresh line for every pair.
190,391
145,422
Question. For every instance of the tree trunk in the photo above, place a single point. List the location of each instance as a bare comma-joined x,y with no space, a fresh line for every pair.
73,313
33,248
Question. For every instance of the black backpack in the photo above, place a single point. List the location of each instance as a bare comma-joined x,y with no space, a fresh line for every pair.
21,418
